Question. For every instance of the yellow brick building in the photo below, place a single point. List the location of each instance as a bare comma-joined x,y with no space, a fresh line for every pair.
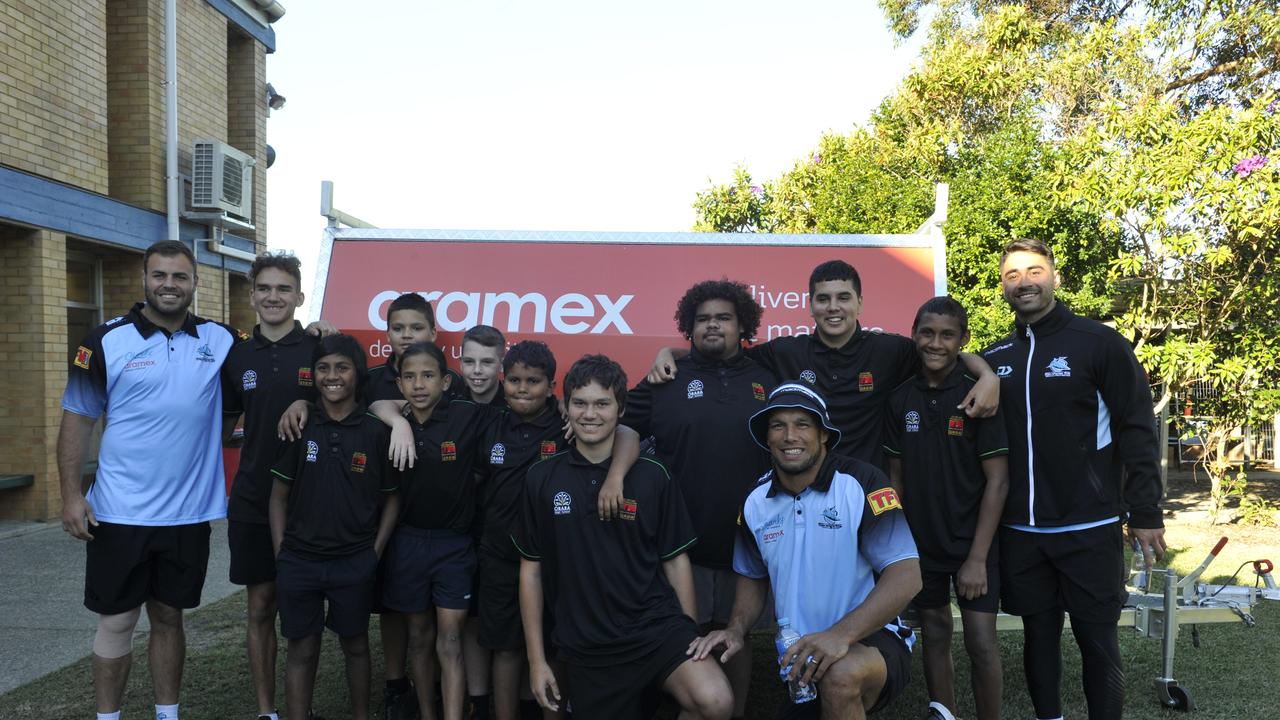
82,188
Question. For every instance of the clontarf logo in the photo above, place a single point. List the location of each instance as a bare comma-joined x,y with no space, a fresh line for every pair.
1004,370
757,391
810,377
913,421
358,461
204,354
1058,367
830,519
955,425
695,389
866,383
313,450
628,509
83,354
560,504
448,451
249,380
498,454
304,377
547,449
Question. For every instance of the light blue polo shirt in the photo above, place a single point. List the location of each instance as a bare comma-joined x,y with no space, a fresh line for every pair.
823,548
160,462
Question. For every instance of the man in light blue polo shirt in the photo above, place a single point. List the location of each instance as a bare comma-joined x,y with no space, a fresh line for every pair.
154,374
828,534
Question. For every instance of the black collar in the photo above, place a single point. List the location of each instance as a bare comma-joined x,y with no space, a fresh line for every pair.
579,460
1053,321
952,379
146,328
549,416
293,338
355,417
847,348
707,363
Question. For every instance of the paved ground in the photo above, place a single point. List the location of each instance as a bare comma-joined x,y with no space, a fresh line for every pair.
43,623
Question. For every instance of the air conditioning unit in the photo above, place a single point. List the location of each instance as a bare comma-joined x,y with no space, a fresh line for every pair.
221,179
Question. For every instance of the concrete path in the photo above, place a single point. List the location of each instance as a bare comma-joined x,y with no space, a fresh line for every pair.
44,625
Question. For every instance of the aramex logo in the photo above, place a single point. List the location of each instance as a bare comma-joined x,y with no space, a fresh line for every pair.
570,313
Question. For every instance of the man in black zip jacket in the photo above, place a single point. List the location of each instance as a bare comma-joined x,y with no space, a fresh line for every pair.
1082,461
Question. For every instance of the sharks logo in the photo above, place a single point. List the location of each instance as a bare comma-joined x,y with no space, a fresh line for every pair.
1058,367
830,519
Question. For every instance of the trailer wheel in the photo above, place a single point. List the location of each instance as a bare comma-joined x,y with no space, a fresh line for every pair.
1175,697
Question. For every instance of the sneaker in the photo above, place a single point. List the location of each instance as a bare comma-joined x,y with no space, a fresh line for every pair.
399,706
938,711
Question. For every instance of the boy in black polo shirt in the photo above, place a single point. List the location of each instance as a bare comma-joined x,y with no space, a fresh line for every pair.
621,592
952,474
332,511
261,377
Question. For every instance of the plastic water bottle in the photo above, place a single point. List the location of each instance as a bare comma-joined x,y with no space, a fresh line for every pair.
787,636
1138,568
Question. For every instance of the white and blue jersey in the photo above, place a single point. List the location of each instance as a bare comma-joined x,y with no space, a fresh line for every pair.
823,549
160,461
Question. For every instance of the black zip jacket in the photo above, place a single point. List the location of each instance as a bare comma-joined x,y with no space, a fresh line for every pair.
1082,441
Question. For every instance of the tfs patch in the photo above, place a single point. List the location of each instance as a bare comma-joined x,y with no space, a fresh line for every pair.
313,450
757,391
913,421
866,383
83,355
448,451
955,425
695,389
497,454
358,461
628,509
249,380
561,503
304,377
882,500
547,450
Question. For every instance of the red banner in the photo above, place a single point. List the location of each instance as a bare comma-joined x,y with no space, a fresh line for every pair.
611,298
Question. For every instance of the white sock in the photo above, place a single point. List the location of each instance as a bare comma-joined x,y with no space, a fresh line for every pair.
109,716
272,715
167,712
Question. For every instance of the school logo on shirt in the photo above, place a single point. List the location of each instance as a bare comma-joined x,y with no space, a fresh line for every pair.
497,454
138,360
830,519
561,503
695,389
1058,367
547,450
913,421
628,509
866,383
358,461
1004,370
304,377
882,500
204,354
313,450
757,391
955,425
448,451
82,357
249,380
809,376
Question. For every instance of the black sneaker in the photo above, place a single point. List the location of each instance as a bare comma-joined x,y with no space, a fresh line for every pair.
399,706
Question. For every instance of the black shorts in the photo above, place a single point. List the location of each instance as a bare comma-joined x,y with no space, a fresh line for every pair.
938,584
897,663
303,585
630,690
253,557
428,567
126,565
499,590
1081,571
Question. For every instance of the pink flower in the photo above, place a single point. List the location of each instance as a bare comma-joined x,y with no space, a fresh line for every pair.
818,158
758,191
1271,109
1250,165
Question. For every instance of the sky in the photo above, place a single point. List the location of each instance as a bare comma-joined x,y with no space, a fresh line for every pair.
555,115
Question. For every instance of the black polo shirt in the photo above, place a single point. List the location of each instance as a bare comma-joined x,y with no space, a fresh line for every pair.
337,473
610,597
440,489
261,379
381,384
513,445
941,450
854,379
699,428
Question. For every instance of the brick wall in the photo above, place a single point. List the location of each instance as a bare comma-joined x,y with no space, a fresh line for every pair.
53,94
33,344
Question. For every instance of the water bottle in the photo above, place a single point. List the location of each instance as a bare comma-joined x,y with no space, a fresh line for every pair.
1138,568
787,636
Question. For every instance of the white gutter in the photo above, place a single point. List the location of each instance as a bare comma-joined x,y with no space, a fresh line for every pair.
173,187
